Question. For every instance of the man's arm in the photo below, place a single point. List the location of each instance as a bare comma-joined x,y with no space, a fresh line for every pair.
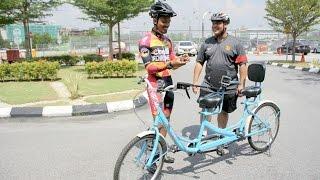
198,68
241,60
243,71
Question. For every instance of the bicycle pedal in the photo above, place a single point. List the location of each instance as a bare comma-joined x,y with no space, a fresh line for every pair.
174,148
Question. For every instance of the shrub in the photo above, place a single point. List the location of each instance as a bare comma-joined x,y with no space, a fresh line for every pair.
92,57
128,55
122,68
39,70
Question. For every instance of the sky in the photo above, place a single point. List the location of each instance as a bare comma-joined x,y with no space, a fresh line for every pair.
243,13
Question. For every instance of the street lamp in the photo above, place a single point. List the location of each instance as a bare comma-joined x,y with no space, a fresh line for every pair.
202,23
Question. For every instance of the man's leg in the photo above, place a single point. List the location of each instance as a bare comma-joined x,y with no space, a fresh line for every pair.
223,119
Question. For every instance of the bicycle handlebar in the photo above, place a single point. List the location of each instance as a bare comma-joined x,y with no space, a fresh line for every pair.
225,82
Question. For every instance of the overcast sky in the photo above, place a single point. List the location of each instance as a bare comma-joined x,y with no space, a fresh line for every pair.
247,13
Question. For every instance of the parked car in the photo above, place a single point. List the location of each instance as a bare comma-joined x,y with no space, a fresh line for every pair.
299,48
115,47
315,47
186,47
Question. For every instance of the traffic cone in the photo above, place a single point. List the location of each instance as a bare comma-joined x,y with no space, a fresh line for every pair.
302,58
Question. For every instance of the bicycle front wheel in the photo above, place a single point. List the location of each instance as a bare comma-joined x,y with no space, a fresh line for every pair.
264,125
134,157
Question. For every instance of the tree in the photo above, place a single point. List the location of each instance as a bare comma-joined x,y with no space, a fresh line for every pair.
293,17
13,11
110,12
42,39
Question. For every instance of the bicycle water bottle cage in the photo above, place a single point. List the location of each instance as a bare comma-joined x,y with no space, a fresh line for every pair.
210,101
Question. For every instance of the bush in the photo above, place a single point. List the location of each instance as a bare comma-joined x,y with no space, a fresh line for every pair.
122,68
92,57
128,55
39,70
63,60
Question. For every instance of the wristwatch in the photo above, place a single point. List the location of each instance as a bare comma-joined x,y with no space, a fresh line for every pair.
169,66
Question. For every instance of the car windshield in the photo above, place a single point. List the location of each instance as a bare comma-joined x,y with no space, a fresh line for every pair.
185,44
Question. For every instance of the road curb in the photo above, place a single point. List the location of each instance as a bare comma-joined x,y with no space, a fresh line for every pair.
311,70
74,110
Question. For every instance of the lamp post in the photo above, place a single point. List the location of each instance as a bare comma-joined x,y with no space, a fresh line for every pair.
202,23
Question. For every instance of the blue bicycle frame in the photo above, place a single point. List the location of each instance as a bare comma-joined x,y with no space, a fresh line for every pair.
229,134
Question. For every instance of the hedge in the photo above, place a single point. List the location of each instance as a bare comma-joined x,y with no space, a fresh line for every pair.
128,55
123,68
92,57
27,71
63,59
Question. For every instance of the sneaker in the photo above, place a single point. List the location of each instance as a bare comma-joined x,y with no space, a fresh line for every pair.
168,159
221,150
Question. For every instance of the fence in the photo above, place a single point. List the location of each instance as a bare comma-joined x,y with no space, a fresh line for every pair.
252,40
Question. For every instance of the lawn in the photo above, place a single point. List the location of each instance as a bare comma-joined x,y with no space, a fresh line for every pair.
114,97
76,74
25,92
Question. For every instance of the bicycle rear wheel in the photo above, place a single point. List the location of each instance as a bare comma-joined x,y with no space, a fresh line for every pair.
133,158
267,121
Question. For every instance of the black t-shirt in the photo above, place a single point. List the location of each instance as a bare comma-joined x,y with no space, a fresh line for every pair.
222,58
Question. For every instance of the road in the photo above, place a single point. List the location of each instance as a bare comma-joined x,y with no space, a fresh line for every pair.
87,147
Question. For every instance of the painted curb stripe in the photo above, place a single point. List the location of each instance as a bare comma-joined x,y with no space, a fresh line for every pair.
120,106
26,112
5,112
57,111
89,109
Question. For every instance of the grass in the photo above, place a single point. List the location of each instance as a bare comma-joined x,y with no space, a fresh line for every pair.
25,92
113,97
57,103
97,86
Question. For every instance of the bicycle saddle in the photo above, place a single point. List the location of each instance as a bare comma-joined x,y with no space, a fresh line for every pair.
210,101
251,91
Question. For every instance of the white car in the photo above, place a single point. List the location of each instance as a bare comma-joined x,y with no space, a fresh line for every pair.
186,47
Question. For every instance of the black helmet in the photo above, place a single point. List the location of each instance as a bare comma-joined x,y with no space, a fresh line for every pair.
161,9
220,17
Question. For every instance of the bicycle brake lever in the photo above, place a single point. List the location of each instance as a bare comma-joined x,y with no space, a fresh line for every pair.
187,92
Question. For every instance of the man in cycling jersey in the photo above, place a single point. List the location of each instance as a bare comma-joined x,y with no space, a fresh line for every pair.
221,52
156,51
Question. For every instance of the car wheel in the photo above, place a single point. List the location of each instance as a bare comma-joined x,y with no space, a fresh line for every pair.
315,50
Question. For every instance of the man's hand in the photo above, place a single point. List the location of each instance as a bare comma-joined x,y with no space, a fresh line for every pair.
184,58
181,61
195,89
239,90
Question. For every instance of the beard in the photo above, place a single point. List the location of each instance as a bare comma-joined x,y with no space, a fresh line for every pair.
219,32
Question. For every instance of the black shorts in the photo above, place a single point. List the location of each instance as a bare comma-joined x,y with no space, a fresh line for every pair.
229,100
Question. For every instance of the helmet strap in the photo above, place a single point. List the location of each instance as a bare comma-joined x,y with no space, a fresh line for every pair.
156,32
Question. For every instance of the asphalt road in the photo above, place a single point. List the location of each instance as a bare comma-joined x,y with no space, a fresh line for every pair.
87,147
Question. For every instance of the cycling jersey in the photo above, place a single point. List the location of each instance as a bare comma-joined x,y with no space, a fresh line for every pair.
155,51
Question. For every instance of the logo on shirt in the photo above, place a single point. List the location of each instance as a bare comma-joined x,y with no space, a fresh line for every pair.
144,52
160,54
228,48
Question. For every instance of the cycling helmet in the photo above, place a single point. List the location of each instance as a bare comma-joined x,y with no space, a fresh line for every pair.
220,17
161,9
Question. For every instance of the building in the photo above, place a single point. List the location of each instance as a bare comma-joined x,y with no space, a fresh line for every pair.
15,32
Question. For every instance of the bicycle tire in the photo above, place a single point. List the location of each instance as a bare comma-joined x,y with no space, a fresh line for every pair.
252,125
133,143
